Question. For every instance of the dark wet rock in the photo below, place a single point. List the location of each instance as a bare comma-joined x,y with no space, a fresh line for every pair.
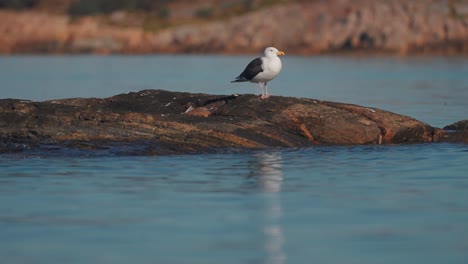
163,122
460,125
457,132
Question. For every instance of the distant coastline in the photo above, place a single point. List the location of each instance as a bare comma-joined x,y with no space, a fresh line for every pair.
315,27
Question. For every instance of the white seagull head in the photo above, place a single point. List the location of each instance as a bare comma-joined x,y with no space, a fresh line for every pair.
272,52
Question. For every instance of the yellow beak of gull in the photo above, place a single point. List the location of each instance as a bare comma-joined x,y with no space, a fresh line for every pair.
280,53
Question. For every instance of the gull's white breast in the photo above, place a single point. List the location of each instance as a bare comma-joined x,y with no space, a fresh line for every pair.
271,68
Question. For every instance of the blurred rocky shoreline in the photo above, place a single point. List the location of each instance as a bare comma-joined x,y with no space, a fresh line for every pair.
309,27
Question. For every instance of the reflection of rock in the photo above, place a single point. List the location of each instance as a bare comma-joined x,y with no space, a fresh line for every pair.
162,120
402,26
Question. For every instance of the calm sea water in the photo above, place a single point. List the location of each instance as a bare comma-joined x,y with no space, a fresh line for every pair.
355,204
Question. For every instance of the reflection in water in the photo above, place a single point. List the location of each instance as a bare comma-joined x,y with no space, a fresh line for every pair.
268,172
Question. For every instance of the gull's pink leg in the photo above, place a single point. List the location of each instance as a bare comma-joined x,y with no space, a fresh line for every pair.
261,89
266,95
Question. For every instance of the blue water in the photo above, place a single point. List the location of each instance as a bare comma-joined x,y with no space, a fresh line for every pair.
364,204
354,204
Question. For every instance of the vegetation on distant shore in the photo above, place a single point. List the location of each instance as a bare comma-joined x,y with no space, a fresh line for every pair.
148,15
77,8
18,4
92,7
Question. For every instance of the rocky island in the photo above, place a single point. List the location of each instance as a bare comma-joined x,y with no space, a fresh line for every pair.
164,122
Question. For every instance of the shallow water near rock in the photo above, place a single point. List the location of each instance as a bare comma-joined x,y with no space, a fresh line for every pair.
361,204
354,204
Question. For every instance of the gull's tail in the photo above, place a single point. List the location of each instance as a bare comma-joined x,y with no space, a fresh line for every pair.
240,79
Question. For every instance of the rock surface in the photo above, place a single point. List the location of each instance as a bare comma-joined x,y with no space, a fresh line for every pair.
460,125
308,27
458,132
164,122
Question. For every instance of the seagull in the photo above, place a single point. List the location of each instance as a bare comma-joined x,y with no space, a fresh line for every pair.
262,70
